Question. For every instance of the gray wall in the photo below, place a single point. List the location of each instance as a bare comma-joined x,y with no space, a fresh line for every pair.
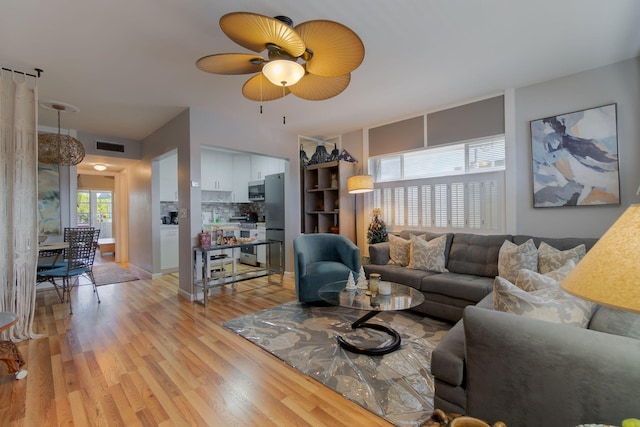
144,232
617,83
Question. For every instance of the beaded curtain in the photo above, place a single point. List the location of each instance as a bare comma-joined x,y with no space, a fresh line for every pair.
18,199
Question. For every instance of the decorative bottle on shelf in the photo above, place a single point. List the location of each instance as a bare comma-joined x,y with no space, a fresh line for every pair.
334,181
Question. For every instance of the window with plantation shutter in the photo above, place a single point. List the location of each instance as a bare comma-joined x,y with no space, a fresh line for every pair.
377,202
412,206
457,205
425,206
441,206
474,208
387,205
491,199
399,213
458,187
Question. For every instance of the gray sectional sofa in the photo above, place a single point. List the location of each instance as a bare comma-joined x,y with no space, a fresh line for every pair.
472,261
522,371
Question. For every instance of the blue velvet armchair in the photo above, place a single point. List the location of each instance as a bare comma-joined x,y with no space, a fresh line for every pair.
320,259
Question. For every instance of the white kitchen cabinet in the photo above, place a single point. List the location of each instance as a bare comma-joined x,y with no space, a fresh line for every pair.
241,177
262,166
168,171
168,247
216,171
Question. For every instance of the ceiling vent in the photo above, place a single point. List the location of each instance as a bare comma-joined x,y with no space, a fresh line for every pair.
109,146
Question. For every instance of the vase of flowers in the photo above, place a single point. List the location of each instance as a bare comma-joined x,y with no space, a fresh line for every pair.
377,231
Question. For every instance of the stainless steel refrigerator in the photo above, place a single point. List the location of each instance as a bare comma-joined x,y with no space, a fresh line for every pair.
274,216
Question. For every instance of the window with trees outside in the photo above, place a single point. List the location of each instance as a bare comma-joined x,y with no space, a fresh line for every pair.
459,187
94,207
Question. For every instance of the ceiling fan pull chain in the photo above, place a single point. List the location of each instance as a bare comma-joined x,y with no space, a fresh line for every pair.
261,94
284,116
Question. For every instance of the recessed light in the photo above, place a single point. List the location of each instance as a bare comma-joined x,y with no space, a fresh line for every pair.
99,167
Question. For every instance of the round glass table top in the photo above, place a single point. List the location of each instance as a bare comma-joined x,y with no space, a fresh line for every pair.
401,298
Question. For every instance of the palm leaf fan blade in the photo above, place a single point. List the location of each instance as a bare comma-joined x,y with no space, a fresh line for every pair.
336,49
317,88
254,31
230,63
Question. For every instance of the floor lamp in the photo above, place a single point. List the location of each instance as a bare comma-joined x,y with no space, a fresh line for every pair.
355,185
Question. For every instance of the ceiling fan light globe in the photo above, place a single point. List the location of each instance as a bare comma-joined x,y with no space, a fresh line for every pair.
283,72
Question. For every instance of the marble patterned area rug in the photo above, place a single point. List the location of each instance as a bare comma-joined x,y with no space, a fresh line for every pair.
397,386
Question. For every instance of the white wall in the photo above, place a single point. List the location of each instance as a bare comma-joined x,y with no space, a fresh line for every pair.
617,83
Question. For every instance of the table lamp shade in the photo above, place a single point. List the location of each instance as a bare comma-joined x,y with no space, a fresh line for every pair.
359,184
609,274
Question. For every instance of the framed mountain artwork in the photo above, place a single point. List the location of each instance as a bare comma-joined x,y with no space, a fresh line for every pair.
575,159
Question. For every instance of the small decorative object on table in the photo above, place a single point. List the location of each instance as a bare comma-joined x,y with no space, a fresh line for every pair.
362,282
351,283
384,288
374,282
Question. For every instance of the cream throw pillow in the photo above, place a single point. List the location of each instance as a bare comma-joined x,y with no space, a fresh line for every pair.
429,255
513,258
550,258
398,250
530,281
552,305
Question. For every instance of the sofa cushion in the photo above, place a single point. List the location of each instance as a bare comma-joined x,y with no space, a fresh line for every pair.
618,322
512,258
550,258
379,253
530,281
475,254
552,305
429,255
562,243
399,250
428,236
395,273
462,286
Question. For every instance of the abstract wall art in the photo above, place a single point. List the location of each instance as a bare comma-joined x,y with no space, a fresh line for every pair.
49,216
575,159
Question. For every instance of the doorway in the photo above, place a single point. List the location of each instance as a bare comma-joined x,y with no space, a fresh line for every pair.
95,208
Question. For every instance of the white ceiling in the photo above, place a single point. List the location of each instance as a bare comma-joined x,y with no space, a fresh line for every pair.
129,64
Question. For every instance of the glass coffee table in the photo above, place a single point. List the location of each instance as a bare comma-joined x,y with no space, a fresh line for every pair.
401,298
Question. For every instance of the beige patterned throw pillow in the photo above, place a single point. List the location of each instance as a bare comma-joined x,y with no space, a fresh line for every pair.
552,305
550,258
513,258
429,255
398,250
530,281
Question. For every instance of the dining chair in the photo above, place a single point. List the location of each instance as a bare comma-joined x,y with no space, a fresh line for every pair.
79,258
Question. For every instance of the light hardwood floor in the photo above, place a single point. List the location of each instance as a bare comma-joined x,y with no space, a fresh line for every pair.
146,357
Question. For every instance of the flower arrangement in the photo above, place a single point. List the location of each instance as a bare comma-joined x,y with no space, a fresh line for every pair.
377,231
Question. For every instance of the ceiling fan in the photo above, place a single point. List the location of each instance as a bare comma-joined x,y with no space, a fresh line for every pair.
312,60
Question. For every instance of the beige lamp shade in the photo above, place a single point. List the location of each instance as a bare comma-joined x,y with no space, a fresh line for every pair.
359,184
609,274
